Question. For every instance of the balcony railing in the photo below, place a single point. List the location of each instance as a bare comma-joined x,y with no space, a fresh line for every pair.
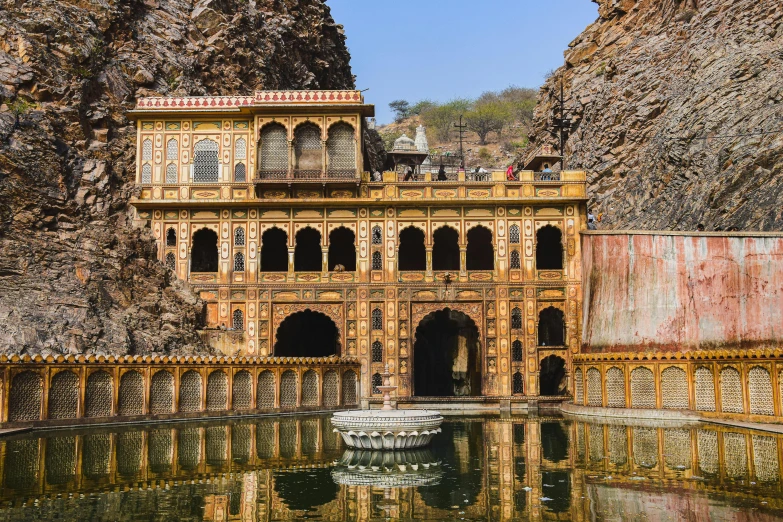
307,175
546,176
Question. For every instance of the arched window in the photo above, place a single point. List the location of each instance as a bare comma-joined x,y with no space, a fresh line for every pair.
377,319
513,234
342,249
377,352
274,251
377,261
308,158
445,249
307,253
516,318
240,173
518,384
239,262
146,150
238,320
515,262
239,236
516,351
171,237
480,254
377,380
171,173
240,149
377,235
412,253
204,254
273,152
341,151
171,261
146,173
172,149
206,167
551,328
549,248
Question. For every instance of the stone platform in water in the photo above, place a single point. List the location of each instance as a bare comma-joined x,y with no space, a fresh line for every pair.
387,429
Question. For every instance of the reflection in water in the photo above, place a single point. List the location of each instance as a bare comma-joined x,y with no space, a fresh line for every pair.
387,469
477,469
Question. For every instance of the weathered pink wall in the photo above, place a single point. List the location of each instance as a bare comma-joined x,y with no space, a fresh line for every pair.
669,291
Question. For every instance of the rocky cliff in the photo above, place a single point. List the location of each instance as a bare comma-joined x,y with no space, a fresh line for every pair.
75,275
677,109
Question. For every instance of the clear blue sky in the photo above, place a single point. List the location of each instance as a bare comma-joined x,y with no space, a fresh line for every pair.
443,49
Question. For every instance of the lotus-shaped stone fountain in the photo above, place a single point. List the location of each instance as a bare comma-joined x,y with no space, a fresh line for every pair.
387,428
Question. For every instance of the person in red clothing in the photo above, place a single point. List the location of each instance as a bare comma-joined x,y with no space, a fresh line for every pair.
510,173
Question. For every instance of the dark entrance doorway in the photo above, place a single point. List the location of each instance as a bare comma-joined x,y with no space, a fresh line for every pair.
306,334
551,377
446,358
204,255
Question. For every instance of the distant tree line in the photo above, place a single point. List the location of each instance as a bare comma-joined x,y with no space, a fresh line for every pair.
492,112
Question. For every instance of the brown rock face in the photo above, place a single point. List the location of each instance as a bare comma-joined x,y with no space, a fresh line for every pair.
75,274
678,113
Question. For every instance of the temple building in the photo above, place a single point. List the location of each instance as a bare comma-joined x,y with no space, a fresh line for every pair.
262,203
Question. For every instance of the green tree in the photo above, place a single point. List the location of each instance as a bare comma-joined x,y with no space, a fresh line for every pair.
421,106
489,114
441,118
401,109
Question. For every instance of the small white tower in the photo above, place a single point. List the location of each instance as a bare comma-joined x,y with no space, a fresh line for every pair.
422,145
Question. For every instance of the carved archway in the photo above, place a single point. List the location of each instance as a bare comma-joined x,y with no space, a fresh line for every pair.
281,312
447,355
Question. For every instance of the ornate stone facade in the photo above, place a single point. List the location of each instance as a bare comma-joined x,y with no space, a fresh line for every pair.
496,260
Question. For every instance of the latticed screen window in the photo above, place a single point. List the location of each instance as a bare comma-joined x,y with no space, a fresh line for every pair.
518,384
172,149
377,235
274,151
239,320
513,234
171,237
377,380
516,351
377,261
146,173
516,318
240,149
377,319
205,162
515,263
146,150
239,236
239,262
377,352
171,173
171,260
341,149
307,149
240,173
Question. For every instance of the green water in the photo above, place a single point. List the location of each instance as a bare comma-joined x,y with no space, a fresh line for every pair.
479,468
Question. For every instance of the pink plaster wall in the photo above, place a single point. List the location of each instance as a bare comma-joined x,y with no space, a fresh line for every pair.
659,291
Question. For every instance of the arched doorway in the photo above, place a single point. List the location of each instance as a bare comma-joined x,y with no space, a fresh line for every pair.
274,250
446,356
552,375
445,249
412,252
551,327
307,334
342,249
549,248
204,255
307,253
480,254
